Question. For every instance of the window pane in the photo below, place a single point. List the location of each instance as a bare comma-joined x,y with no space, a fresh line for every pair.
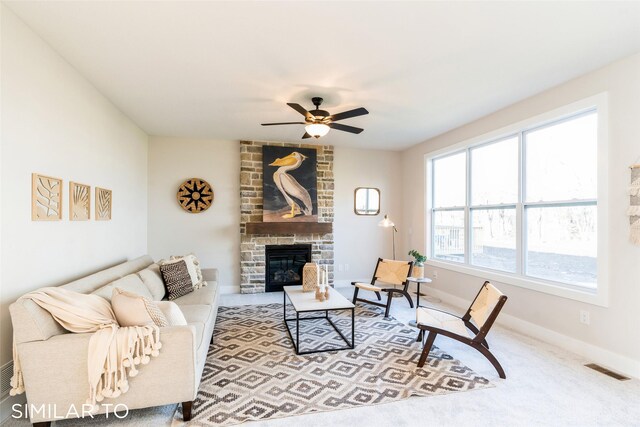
449,176
448,235
562,244
562,160
494,239
494,173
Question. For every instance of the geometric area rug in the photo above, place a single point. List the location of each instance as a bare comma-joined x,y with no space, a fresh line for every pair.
252,372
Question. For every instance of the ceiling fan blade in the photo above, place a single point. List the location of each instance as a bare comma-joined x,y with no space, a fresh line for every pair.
345,128
300,109
306,135
348,114
283,123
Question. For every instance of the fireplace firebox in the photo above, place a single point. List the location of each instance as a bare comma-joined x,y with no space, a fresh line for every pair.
283,265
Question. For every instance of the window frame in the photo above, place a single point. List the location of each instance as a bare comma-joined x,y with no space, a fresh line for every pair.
597,296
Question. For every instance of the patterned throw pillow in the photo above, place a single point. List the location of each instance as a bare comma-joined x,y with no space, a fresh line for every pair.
176,279
194,269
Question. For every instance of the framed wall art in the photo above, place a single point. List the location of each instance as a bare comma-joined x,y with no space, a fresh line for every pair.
104,203
79,202
46,198
289,184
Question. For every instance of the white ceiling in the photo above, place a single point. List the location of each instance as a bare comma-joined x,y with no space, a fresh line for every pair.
218,69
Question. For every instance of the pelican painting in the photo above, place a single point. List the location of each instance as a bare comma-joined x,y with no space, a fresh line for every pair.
289,184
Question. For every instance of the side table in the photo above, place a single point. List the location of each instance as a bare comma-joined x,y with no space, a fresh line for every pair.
418,281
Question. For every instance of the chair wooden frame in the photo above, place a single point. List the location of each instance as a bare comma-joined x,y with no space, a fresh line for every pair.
478,342
390,291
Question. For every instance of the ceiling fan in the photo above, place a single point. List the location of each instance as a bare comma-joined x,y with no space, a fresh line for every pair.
318,122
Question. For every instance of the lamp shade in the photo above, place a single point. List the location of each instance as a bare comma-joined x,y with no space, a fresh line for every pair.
317,129
386,222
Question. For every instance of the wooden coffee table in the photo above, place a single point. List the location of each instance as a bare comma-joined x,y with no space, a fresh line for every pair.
306,302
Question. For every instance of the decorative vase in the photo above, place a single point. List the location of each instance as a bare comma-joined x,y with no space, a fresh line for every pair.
309,277
418,271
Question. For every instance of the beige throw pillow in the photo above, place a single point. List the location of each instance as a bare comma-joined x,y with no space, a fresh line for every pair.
172,312
135,310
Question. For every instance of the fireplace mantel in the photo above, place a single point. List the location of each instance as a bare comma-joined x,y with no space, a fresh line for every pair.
289,228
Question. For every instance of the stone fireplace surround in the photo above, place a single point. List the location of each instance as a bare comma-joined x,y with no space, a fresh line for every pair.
252,246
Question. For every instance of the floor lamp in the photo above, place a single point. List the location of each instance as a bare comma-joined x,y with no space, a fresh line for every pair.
387,223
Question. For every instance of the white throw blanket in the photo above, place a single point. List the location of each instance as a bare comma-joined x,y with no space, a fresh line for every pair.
114,351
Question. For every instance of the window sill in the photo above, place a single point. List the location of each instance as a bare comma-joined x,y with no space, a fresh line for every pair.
595,297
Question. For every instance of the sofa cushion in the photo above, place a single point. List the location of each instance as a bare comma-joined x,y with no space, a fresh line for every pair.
152,278
206,295
135,310
93,282
176,279
131,283
198,316
172,312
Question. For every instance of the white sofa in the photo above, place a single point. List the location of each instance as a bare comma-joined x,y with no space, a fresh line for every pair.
54,361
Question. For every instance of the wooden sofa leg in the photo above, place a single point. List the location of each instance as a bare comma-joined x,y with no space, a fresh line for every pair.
186,410
42,424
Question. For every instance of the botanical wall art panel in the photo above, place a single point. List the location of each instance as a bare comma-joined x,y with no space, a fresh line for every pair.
195,195
104,202
289,185
634,204
46,198
79,202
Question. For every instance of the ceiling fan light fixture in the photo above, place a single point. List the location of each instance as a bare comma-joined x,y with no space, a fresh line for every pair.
317,129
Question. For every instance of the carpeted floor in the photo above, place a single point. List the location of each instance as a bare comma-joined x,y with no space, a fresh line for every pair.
252,372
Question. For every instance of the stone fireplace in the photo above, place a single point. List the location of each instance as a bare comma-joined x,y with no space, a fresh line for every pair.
255,236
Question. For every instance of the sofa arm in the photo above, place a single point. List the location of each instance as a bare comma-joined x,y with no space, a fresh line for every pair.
55,373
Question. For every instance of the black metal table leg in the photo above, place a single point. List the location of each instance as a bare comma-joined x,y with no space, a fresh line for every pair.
353,328
297,333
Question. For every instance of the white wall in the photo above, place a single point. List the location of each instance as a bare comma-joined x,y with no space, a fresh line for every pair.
613,338
213,235
359,242
56,123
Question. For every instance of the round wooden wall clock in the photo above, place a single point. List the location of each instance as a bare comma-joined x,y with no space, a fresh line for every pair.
195,195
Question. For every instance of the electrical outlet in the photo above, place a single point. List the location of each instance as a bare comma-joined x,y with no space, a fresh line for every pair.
585,317
435,274
340,267
346,267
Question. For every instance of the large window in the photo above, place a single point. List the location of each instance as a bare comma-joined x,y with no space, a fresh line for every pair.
524,204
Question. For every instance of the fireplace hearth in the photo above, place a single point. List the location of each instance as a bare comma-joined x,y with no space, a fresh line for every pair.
284,265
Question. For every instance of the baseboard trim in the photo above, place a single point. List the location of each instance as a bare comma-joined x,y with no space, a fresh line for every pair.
341,283
7,403
226,290
592,353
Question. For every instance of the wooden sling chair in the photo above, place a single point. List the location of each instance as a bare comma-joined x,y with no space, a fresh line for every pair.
388,272
483,311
